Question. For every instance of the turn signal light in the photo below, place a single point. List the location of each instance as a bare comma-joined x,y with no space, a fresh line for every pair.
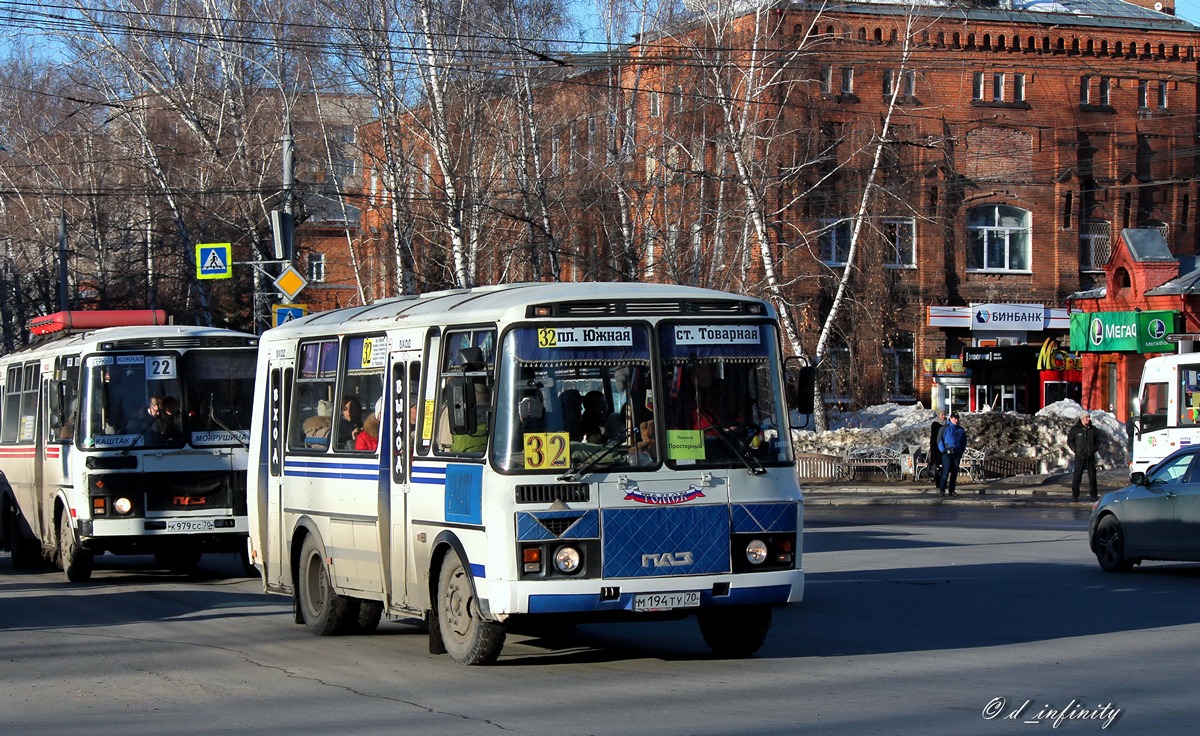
532,557
99,506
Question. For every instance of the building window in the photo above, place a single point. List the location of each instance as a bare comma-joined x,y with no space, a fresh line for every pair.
907,80
833,244
998,238
826,80
555,152
1143,93
1018,87
1085,85
909,83
899,238
847,80
977,86
655,105
1162,94
899,365
1105,90
316,268
888,75
998,87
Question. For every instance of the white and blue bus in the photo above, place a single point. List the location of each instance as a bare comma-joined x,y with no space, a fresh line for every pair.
122,434
525,454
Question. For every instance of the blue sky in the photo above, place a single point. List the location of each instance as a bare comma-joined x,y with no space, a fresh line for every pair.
1189,9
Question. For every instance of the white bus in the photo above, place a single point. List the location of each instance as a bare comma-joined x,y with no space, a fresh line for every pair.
547,453
1166,413
126,439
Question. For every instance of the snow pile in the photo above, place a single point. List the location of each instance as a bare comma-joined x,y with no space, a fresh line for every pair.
905,428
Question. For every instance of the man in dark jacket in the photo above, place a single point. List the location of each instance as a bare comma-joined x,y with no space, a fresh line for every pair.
935,453
952,442
1083,441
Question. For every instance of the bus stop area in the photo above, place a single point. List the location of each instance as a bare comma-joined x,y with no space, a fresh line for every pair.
1053,489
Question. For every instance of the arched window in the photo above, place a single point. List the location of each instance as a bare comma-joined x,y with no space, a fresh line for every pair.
941,38
1104,48
998,238
957,40
1118,50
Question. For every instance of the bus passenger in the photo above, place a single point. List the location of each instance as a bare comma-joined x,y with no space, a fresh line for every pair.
350,423
368,439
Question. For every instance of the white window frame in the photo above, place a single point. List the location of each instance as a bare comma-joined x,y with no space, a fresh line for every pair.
834,240
1013,243
847,80
1162,94
316,268
655,103
998,87
894,258
977,86
826,79
1018,87
1105,90
1085,90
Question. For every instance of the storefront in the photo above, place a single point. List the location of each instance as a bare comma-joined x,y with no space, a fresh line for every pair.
1000,365
1114,347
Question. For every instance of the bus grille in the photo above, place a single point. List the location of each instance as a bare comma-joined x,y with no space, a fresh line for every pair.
551,492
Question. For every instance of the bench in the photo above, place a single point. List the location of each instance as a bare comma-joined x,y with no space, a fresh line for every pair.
878,459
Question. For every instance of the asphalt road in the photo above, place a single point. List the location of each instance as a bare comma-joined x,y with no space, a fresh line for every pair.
910,626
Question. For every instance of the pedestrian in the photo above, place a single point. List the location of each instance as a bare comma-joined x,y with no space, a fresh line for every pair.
952,442
1083,441
935,454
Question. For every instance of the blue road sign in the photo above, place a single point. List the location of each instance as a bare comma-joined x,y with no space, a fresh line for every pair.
285,313
213,261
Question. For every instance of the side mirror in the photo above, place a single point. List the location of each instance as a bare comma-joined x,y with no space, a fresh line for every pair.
60,396
800,385
1135,416
462,406
1138,478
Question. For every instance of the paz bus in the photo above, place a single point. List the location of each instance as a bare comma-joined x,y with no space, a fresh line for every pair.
122,434
536,454
1166,413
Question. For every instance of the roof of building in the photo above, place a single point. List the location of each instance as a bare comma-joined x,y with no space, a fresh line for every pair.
1146,244
1103,13
1187,282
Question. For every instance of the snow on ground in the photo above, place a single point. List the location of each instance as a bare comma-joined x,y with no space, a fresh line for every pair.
905,428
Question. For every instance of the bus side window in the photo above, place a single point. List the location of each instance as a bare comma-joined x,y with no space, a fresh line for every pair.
1154,407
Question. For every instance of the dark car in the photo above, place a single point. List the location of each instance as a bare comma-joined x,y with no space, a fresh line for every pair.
1156,517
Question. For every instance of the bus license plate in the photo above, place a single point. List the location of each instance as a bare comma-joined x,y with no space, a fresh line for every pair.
666,601
200,525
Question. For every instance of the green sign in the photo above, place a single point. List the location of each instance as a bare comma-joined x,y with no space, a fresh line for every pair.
1115,332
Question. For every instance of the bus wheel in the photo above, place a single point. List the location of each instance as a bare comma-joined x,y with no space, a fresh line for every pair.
734,631
369,615
179,559
25,553
325,613
467,637
76,561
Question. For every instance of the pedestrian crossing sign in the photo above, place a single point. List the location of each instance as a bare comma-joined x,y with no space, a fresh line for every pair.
285,313
213,261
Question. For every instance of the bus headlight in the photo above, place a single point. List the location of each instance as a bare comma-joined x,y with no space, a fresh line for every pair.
122,506
567,559
756,551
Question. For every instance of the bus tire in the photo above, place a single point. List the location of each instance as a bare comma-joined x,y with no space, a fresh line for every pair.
369,615
76,561
734,631
179,559
468,638
325,613
24,552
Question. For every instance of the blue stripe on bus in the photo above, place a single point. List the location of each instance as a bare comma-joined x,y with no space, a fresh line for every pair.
367,470
478,571
584,602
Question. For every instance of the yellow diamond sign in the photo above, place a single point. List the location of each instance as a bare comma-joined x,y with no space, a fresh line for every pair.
290,282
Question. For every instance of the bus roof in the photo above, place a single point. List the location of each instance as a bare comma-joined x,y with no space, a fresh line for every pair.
515,301
147,337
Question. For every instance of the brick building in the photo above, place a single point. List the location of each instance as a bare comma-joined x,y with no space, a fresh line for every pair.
1019,141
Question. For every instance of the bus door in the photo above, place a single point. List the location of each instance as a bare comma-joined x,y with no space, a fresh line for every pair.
397,444
58,422
270,530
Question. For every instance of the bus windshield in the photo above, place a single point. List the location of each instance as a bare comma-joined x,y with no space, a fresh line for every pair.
167,400
574,396
721,401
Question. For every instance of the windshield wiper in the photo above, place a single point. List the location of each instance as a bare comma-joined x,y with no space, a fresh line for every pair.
125,450
736,444
575,473
212,417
